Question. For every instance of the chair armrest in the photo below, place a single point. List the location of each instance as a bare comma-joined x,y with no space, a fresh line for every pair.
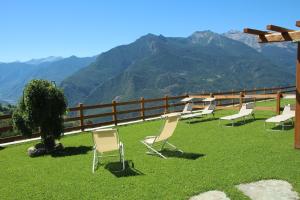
147,137
121,144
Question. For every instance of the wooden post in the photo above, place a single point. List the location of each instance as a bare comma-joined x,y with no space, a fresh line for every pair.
142,108
297,124
114,111
278,102
265,92
81,116
166,104
241,99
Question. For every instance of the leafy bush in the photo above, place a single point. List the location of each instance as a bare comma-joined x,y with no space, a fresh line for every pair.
41,109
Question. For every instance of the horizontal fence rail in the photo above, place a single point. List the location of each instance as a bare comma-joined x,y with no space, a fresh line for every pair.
83,116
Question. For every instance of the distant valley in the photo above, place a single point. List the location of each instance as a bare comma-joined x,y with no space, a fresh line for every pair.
14,76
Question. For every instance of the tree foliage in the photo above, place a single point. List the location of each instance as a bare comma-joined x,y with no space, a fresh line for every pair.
41,109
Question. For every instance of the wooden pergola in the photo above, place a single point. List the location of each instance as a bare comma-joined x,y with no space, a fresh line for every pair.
280,34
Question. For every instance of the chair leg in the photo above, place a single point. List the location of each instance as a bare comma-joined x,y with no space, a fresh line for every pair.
163,145
95,160
122,156
153,150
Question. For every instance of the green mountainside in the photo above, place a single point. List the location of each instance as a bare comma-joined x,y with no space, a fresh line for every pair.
154,66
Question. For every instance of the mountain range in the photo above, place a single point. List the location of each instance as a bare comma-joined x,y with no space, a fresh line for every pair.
14,76
282,54
155,65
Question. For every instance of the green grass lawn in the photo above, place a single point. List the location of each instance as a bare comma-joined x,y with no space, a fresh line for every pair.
216,158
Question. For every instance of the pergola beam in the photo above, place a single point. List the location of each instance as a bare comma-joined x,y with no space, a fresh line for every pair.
255,32
278,29
280,37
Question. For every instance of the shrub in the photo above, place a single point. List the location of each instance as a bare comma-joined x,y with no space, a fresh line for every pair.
41,109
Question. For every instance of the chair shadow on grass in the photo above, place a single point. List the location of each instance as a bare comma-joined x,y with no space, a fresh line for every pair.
72,151
116,169
287,127
177,154
198,120
241,122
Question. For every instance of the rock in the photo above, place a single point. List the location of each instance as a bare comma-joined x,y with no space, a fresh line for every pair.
269,190
33,151
58,147
210,195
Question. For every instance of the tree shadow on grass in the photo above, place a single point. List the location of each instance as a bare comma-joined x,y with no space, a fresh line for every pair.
184,155
1,148
116,169
72,151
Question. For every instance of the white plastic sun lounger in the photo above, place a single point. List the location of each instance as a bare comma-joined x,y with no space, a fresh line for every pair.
206,111
107,140
162,139
287,115
245,111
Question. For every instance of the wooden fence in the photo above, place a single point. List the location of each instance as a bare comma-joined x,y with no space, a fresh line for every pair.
81,119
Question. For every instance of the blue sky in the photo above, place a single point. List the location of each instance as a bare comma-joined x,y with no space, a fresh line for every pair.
41,28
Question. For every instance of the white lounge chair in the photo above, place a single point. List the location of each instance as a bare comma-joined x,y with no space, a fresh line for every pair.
245,111
287,115
162,139
206,111
107,140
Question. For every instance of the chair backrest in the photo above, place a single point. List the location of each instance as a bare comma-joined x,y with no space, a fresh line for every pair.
247,108
169,128
106,140
188,108
288,110
209,109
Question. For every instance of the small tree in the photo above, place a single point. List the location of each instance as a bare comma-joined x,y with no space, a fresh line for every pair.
41,109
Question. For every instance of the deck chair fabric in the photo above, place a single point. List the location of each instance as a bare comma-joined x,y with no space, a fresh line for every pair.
167,131
245,111
206,111
107,140
287,114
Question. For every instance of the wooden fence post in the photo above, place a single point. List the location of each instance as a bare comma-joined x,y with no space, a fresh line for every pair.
114,110
278,102
81,116
166,104
241,99
142,108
